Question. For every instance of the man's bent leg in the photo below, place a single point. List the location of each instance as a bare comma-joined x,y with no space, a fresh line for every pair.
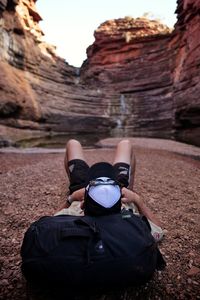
124,163
123,152
74,150
75,165
77,171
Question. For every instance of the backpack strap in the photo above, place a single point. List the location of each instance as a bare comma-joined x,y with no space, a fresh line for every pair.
90,225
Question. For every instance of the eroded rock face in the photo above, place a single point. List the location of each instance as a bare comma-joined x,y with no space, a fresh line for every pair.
38,90
156,72
140,79
123,53
132,57
186,76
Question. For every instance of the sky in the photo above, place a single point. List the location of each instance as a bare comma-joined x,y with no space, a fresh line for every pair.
70,24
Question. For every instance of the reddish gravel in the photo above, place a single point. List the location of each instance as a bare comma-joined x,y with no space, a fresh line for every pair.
33,185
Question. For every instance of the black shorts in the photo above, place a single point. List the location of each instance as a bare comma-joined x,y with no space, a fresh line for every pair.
78,171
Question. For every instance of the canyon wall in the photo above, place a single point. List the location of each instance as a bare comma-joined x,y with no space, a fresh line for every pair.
186,76
40,93
140,79
156,73
131,57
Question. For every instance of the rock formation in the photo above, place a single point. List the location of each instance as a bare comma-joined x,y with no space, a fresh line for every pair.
156,73
132,57
140,79
39,91
186,74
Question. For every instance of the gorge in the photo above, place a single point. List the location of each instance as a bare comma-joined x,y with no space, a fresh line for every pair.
139,79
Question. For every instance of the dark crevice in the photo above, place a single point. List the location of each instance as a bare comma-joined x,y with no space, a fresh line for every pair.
9,110
18,31
10,5
188,118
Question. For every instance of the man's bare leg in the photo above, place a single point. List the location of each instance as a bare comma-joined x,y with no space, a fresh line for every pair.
124,153
74,150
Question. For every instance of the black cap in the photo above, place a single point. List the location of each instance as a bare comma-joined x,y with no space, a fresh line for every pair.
92,208
101,169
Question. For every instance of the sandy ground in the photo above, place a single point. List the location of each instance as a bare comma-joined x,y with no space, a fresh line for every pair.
34,184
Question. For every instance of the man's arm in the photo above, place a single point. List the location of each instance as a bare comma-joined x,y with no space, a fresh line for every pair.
129,196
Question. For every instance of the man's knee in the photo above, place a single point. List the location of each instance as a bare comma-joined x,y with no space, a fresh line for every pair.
72,143
125,144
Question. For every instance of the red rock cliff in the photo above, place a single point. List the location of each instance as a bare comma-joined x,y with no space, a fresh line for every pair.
39,92
132,57
186,76
139,79
156,72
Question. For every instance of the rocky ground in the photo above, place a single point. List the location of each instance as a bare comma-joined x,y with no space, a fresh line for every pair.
34,184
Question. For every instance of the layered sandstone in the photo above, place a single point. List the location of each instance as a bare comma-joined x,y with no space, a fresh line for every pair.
122,49
155,72
39,91
140,79
186,76
132,57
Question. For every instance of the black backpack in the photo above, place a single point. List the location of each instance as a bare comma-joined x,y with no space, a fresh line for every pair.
73,253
